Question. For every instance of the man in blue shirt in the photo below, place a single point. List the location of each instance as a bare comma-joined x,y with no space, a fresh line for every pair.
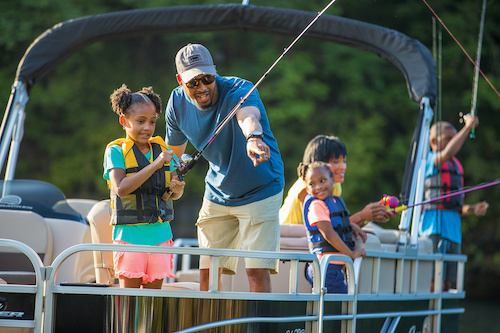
244,183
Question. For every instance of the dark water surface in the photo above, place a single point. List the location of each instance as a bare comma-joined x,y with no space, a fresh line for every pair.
480,316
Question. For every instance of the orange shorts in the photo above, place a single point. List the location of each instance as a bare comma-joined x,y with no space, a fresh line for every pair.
148,266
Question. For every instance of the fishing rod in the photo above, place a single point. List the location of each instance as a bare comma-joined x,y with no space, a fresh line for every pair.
462,48
187,161
473,110
404,207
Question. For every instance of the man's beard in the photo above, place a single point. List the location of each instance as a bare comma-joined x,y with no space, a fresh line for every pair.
204,107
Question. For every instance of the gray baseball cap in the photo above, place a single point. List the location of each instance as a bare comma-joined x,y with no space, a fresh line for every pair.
193,60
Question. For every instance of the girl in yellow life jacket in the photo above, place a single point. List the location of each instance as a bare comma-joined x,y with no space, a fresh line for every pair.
142,184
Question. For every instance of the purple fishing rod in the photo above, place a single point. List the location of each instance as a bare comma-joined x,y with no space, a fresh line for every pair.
404,207
187,163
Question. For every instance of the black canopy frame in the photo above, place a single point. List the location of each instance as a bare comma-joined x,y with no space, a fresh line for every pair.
58,43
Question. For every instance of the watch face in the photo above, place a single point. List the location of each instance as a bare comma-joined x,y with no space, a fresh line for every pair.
255,134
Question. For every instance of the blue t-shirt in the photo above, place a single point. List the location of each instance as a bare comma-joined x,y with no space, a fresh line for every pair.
140,234
446,223
231,180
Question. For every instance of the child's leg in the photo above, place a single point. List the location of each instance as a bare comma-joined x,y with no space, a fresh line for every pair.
158,266
130,283
129,267
309,274
156,284
335,280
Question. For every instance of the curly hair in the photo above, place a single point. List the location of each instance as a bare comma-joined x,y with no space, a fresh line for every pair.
123,98
303,168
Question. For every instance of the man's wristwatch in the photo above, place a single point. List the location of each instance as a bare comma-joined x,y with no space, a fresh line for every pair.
169,191
255,134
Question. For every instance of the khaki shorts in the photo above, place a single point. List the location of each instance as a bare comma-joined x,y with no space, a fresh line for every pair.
252,227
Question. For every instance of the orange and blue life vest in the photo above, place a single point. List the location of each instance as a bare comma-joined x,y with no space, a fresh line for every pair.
144,205
339,217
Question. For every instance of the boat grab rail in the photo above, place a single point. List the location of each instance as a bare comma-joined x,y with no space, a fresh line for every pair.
213,293
37,290
318,294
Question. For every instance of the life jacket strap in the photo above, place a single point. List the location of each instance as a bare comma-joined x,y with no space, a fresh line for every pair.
156,190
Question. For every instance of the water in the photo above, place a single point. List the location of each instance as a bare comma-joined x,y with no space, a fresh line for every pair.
480,316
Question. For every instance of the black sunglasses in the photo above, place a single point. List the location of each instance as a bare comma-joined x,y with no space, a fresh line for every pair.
194,83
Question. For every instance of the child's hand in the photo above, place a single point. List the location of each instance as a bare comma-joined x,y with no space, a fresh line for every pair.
176,185
471,121
480,208
164,158
358,253
357,232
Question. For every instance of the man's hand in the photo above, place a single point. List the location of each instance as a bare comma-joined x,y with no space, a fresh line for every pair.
258,151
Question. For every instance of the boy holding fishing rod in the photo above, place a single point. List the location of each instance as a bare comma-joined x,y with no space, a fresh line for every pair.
441,220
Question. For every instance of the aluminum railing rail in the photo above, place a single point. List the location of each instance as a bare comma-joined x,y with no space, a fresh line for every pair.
213,293
314,319
36,290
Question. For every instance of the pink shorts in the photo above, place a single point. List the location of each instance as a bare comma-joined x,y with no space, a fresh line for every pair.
148,266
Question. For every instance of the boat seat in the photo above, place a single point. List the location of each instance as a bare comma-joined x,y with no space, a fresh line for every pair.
293,238
82,206
31,229
386,236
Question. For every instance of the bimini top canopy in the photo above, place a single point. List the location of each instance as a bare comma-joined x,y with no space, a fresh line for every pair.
60,42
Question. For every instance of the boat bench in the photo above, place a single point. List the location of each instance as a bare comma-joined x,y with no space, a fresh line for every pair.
31,229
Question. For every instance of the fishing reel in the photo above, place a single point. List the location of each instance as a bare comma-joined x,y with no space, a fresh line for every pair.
184,164
390,202
463,117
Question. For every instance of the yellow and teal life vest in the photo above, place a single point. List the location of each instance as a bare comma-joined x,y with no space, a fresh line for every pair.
145,204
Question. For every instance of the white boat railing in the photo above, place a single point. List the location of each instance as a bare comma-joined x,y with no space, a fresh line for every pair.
36,290
317,298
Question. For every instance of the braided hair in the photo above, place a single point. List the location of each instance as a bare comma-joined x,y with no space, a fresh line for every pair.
123,98
303,168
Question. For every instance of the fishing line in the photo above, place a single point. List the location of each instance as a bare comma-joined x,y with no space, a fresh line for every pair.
187,163
460,45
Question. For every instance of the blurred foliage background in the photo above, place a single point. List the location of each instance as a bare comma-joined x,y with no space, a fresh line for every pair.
318,88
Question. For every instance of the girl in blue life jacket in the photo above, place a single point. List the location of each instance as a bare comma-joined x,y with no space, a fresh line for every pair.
326,219
142,182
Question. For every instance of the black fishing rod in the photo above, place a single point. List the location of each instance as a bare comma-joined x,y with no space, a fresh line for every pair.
187,162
